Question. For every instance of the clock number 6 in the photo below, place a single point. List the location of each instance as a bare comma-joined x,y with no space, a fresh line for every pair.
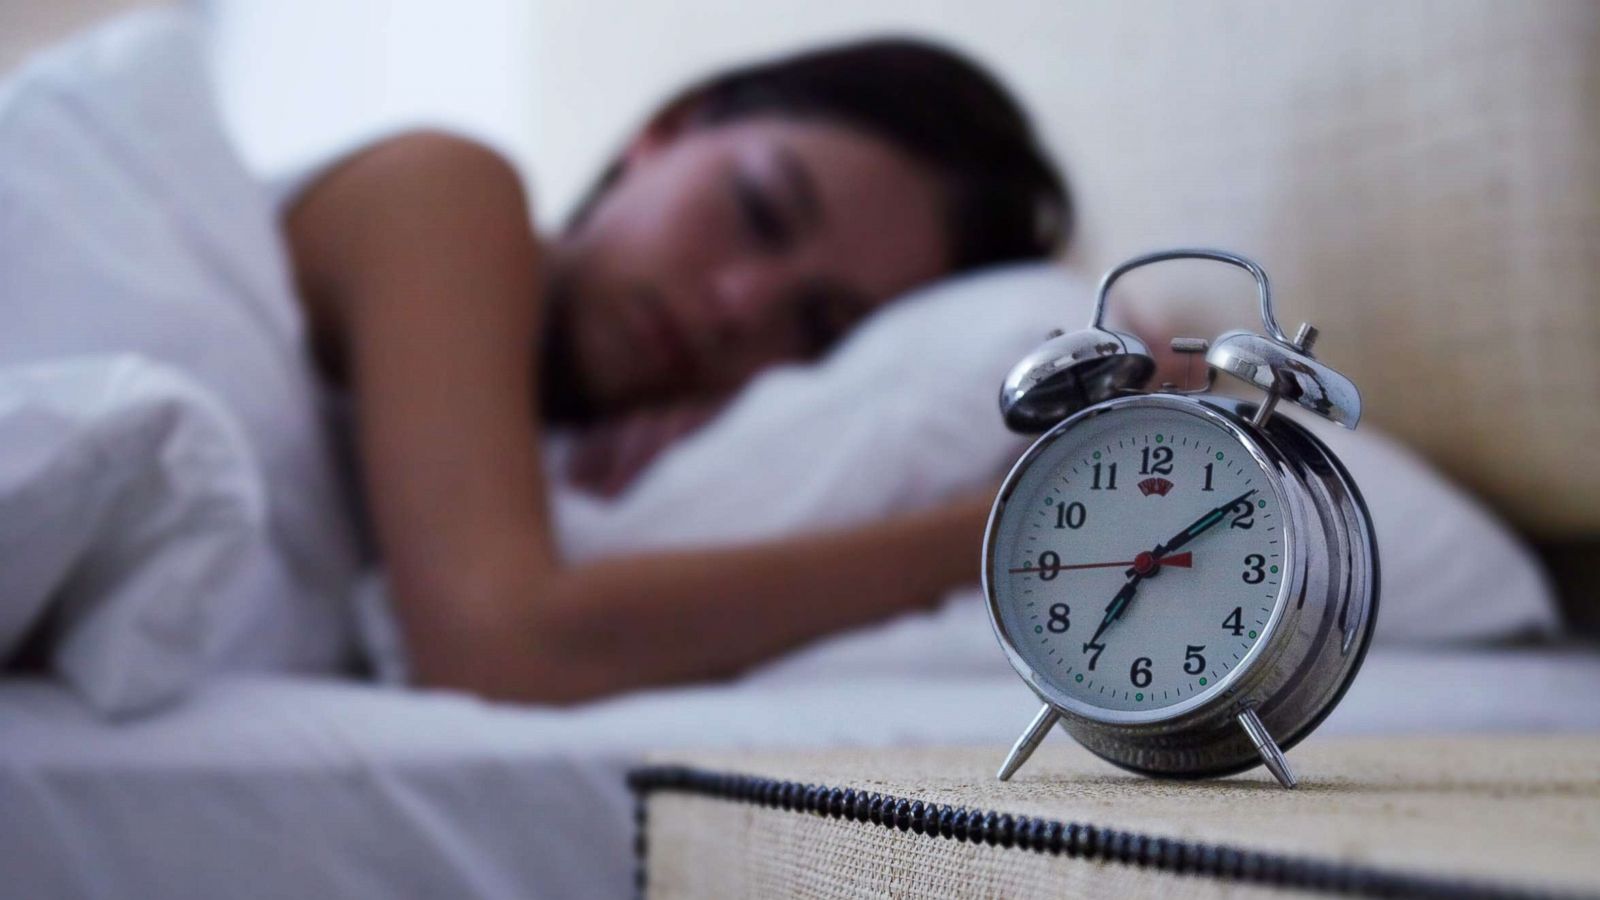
1253,566
1140,673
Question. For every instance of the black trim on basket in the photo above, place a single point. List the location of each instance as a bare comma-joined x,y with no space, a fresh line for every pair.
1070,839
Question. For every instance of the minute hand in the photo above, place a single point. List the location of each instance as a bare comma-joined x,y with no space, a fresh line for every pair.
1200,525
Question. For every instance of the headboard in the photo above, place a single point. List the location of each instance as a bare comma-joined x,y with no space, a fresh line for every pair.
1421,179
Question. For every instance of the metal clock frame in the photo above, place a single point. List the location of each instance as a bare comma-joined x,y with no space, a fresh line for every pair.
1317,635
1309,650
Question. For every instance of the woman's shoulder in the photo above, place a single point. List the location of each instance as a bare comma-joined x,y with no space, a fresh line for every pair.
402,162
418,189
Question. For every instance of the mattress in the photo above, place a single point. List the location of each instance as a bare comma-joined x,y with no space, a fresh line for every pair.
273,787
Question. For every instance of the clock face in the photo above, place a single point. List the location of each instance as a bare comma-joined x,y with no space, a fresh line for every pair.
1138,559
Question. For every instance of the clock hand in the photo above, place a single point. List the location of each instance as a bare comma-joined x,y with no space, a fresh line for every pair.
1181,560
1200,525
1119,603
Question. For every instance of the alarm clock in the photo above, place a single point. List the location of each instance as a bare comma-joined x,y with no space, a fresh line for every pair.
1186,580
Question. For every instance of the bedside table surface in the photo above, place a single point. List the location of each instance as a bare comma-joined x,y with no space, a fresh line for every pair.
1521,811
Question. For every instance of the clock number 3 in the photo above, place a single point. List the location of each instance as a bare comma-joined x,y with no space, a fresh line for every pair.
1253,571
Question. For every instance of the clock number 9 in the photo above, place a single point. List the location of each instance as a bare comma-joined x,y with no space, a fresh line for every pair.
1049,565
1140,673
1253,566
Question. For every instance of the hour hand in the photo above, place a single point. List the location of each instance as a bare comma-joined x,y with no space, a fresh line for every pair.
1115,607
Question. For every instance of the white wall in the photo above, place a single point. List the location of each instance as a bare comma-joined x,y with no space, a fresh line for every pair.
559,83
298,78
556,83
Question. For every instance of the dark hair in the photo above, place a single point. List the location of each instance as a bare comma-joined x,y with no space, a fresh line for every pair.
1006,200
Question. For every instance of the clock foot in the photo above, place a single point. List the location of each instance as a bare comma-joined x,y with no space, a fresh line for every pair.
1271,756
1029,742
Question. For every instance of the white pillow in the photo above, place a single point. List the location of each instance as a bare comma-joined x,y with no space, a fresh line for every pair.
902,414
905,413
1450,572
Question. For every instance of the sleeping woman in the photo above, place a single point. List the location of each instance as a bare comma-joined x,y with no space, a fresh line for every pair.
753,220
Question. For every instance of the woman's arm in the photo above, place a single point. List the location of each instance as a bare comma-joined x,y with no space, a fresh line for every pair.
421,253
659,618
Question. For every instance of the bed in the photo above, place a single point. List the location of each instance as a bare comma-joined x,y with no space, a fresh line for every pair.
276,776
281,787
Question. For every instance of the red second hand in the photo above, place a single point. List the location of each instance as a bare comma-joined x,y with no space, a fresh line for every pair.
1181,560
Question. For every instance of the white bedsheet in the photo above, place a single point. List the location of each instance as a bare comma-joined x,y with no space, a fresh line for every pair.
265,787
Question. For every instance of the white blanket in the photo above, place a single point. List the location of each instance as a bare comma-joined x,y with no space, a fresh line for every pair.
133,530
129,228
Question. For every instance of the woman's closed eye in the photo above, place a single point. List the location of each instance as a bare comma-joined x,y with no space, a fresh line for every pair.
760,215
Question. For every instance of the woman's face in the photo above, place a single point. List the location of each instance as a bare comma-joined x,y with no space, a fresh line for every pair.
724,249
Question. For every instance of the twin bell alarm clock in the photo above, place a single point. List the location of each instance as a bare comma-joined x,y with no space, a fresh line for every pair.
1187,581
